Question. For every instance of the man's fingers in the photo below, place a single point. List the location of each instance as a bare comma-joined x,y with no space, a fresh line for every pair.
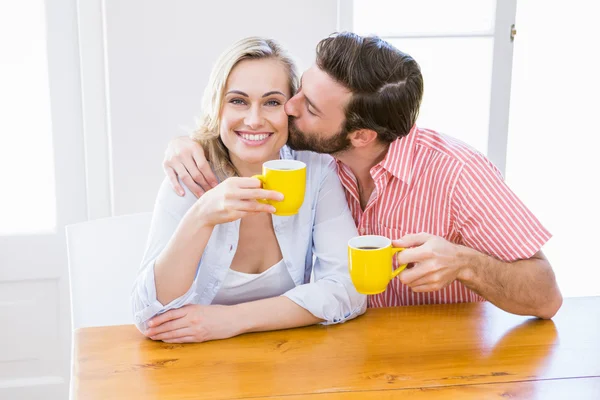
412,240
425,288
168,316
204,167
411,255
187,180
409,276
426,280
190,165
173,180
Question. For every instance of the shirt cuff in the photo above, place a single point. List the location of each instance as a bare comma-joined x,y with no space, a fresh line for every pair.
147,306
332,304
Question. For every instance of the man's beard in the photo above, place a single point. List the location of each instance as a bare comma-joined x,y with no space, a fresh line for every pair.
298,140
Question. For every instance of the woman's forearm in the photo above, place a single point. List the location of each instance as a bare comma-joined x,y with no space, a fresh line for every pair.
175,267
272,314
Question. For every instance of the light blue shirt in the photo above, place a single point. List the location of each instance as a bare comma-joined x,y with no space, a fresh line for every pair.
312,241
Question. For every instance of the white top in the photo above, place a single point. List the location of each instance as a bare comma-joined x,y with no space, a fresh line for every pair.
312,242
240,287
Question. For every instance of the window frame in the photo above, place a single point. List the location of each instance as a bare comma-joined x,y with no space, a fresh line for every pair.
504,22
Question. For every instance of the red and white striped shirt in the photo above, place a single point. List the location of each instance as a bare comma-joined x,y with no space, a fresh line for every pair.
429,182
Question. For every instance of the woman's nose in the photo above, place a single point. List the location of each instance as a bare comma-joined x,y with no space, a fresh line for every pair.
254,119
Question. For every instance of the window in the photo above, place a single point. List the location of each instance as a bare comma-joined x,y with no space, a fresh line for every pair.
27,203
553,138
454,49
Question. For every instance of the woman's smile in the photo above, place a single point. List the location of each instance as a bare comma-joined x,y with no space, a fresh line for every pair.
253,138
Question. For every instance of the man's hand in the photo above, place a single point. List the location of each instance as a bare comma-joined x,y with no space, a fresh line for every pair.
436,262
523,287
184,158
194,323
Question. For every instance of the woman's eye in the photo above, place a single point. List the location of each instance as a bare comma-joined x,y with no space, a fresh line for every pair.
237,101
273,103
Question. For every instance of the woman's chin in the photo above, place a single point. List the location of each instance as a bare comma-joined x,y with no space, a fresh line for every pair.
256,155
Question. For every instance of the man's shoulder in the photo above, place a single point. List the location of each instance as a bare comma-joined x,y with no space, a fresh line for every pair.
456,153
446,146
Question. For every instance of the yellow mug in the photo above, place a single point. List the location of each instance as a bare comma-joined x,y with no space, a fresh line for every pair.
370,261
287,177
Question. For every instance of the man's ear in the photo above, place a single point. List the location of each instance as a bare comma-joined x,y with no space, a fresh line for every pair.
362,137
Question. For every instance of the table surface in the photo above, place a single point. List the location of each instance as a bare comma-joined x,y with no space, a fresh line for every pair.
469,351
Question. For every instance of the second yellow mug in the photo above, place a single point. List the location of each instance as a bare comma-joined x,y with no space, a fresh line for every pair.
370,261
287,177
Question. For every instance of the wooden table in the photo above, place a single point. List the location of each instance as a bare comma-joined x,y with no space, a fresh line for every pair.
464,351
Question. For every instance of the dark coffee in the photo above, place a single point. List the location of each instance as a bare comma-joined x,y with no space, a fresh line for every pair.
368,248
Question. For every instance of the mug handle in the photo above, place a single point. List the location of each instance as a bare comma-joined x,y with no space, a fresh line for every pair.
263,180
400,268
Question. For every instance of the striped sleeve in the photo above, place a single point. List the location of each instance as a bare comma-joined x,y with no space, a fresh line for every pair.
490,217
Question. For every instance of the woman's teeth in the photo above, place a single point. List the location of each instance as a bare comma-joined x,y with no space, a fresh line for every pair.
256,138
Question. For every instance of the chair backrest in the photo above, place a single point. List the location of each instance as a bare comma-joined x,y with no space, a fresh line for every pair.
104,257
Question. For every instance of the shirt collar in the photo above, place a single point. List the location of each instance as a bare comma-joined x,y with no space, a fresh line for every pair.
285,153
399,157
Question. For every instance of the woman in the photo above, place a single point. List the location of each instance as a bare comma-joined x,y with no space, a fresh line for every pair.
221,264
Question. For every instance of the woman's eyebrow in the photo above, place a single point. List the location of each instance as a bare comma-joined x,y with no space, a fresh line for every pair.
273,92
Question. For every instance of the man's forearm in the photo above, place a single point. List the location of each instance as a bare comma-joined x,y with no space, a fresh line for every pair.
524,287
272,314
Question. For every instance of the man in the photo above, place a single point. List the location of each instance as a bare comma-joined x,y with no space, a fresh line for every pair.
468,237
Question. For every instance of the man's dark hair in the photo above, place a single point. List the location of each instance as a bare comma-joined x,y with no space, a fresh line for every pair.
386,84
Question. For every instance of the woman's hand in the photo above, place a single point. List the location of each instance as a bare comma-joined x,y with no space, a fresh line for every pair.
233,199
195,323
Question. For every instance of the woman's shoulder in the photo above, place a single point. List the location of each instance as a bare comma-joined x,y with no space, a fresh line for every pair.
319,167
310,158
171,202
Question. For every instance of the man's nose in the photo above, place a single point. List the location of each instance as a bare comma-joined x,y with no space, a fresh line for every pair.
291,106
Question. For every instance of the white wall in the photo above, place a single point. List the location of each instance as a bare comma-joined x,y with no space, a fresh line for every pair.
159,55
554,135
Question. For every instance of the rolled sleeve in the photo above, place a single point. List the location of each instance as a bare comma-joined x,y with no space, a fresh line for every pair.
169,209
330,300
145,304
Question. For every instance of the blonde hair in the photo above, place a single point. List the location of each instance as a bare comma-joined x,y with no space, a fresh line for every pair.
207,133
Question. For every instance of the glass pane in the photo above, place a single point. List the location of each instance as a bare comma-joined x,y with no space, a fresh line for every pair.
553,141
401,17
27,203
457,74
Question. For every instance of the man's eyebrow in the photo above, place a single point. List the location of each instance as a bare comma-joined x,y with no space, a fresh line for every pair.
308,100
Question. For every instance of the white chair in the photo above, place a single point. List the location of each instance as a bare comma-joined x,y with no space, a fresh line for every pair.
104,257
